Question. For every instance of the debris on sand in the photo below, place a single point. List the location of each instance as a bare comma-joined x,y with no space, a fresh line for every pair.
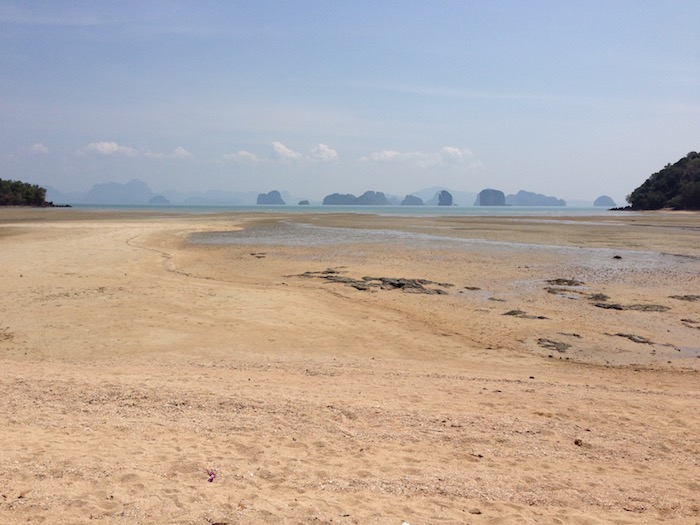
636,307
549,344
523,315
573,294
366,283
691,323
690,298
634,338
554,290
565,282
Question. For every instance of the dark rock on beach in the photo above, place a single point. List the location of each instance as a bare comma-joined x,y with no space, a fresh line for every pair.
689,298
634,338
549,344
367,283
565,282
635,307
523,315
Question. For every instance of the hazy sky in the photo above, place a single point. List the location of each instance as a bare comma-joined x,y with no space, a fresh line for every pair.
572,99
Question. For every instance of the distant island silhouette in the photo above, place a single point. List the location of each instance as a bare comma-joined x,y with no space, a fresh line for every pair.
137,192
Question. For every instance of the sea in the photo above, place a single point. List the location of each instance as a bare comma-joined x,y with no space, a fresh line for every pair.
291,233
287,233
396,211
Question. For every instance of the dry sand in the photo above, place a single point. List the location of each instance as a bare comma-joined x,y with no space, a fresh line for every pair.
134,363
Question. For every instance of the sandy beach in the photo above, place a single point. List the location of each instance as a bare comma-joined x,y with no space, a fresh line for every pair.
432,370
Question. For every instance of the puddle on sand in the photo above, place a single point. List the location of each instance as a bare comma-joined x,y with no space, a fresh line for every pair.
686,351
289,234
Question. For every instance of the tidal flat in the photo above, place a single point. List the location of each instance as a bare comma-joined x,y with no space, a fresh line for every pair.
313,369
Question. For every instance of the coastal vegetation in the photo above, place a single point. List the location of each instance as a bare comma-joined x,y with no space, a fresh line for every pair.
676,186
16,193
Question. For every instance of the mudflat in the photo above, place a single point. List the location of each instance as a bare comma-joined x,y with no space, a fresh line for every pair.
349,369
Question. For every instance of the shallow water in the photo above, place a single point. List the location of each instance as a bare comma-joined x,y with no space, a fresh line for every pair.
399,211
689,352
290,234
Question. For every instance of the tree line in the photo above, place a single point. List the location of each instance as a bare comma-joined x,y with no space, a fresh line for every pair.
16,193
676,186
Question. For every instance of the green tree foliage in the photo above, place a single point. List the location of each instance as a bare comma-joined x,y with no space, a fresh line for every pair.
676,186
16,193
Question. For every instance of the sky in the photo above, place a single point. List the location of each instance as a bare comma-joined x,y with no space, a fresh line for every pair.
570,99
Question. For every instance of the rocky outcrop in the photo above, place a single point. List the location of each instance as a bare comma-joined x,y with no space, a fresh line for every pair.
367,283
490,197
368,198
339,199
158,199
528,198
304,203
272,197
604,201
411,200
372,198
133,192
444,198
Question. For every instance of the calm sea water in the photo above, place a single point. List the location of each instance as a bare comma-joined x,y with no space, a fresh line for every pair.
408,211
287,233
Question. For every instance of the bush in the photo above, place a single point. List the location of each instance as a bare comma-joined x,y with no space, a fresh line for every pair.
676,186
16,193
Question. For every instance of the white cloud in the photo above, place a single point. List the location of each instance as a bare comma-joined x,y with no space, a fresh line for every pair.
181,153
389,155
452,154
111,148
284,152
384,155
321,152
446,155
39,149
241,156
108,148
324,152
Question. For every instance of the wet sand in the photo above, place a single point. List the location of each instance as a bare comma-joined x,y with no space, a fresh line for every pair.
524,371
